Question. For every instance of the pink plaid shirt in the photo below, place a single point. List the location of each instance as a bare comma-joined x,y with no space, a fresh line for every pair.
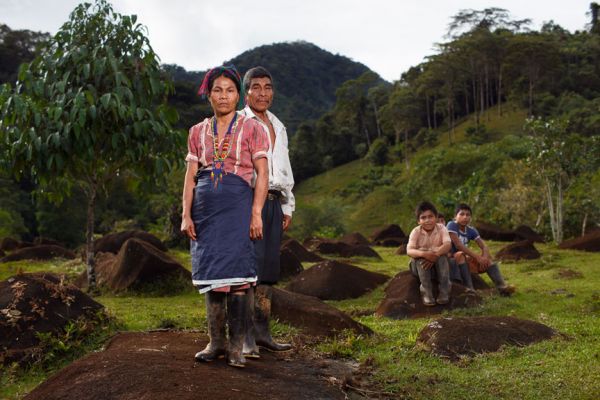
248,142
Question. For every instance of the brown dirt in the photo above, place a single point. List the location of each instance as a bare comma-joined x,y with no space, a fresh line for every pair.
458,337
524,250
355,239
489,231
403,299
10,244
42,252
479,283
333,280
341,249
160,365
524,232
2,253
300,251
401,250
387,231
44,240
589,242
32,303
568,274
392,242
112,242
290,265
137,264
312,316
312,242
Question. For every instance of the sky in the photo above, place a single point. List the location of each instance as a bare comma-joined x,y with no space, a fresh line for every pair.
387,36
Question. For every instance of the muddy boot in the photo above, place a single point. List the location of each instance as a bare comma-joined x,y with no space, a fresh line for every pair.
426,287
443,276
250,348
236,319
215,314
262,314
503,289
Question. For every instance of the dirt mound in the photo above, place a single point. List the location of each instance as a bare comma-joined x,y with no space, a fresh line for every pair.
524,250
42,252
160,365
342,249
524,232
10,244
355,239
468,336
392,242
387,231
137,264
37,303
589,242
403,300
478,282
312,242
333,280
103,264
44,240
112,242
568,274
300,251
2,253
401,250
290,265
312,316
489,231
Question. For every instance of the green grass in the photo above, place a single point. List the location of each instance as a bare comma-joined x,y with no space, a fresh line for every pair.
564,367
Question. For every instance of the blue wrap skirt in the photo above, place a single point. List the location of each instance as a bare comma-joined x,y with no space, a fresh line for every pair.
222,254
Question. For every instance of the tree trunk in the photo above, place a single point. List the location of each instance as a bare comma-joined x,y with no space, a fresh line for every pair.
406,149
91,271
500,91
434,112
584,224
376,118
530,98
428,112
559,212
551,209
487,89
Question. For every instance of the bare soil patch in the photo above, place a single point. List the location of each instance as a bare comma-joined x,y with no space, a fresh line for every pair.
567,273
524,250
10,244
342,249
112,242
160,365
37,303
456,337
355,239
333,280
313,316
589,242
403,299
387,231
300,251
290,265
42,252
525,232
489,231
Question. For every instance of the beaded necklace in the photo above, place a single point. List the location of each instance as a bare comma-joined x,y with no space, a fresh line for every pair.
220,154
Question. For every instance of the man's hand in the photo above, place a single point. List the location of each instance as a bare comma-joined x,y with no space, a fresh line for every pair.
287,220
430,256
426,264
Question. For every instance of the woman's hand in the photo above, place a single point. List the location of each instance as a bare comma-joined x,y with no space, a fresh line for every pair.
187,227
256,227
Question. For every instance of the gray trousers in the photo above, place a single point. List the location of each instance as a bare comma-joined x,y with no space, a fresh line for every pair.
439,271
462,274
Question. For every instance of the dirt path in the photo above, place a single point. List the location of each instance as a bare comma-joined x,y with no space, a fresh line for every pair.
160,365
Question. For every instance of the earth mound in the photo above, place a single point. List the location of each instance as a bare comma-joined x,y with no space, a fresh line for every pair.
401,250
478,282
160,365
10,244
2,253
300,251
112,242
342,249
312,316
524,250
42,252
333,280
137,264
403,299
589,242
387,231
489,231
355,239
392,242
524,232
289,263
44,240
458,337
37,303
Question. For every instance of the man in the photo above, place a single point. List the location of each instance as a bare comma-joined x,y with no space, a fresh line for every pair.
276,213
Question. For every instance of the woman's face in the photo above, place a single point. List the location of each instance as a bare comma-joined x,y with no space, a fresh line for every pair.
224,96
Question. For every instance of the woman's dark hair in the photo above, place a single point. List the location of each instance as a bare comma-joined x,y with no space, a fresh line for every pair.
227,71
256,72
463,206
425,206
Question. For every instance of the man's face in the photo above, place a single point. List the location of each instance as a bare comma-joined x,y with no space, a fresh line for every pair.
260,94
427,220
463,217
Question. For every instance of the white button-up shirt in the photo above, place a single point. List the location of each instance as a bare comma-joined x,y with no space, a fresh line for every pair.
280,169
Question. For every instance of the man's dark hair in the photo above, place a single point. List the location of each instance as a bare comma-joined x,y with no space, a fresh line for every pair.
425,206
256,72
463,206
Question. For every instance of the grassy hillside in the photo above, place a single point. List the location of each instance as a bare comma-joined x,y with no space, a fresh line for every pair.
369,197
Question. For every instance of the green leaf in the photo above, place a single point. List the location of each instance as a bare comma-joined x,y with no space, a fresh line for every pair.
105,99
86,71
93,112
115,140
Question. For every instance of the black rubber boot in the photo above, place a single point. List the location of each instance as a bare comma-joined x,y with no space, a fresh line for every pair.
215,314
262,314
250,348
236,319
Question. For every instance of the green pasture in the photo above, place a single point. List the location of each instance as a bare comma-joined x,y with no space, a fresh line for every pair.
566,367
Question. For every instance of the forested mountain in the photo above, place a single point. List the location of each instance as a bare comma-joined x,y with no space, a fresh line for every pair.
306,79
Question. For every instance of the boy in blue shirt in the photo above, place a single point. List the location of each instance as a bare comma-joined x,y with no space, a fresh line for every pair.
461,234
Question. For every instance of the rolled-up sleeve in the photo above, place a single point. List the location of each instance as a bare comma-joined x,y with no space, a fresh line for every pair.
193,145
258,142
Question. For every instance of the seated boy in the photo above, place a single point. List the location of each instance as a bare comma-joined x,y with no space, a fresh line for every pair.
461,234
428,245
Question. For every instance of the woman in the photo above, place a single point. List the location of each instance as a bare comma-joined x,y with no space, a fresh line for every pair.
220,213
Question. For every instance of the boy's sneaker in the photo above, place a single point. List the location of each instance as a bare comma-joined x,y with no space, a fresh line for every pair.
507,290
